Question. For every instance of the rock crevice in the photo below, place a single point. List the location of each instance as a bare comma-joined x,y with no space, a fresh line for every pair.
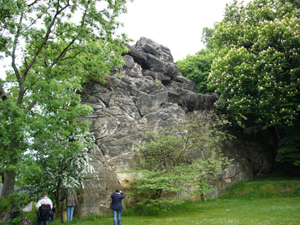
141,96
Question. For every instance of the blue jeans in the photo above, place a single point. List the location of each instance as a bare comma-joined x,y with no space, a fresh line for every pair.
70,210
115,217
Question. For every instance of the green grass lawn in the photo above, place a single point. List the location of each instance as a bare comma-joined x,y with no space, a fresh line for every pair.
283,210
270,200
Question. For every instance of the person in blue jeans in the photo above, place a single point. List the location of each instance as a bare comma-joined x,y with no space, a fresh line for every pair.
116,205
72,201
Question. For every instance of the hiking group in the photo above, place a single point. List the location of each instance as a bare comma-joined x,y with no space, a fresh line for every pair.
46,209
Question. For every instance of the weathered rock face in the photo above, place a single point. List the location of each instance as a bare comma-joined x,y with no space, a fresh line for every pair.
141,97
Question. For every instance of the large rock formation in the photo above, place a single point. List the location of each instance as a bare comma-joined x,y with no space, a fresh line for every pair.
141,97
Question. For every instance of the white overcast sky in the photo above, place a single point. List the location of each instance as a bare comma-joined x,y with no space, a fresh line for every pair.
176,24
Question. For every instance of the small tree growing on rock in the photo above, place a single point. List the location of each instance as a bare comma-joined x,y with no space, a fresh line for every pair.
186,158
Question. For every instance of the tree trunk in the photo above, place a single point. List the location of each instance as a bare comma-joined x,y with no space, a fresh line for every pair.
10,175
57,202
60,211
8,188
8,180
9,184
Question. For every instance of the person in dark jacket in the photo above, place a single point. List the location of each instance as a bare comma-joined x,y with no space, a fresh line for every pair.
14,214
116,205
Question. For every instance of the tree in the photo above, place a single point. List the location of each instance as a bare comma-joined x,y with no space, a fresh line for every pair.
67,162
185,158
197,68
55,46
207,34
256,70
8,9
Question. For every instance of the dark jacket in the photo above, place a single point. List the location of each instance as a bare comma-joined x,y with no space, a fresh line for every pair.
116,203
14,215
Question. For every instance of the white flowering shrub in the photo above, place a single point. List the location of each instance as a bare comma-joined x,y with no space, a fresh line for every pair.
65,163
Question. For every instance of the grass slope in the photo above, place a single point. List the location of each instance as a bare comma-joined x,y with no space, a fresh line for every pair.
266,201
283,210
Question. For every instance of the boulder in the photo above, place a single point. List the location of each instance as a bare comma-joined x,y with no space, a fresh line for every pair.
143,96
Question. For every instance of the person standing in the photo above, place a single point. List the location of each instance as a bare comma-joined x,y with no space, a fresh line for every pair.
26,221
43,206
51,214
116,205
63,205
71,202
14,214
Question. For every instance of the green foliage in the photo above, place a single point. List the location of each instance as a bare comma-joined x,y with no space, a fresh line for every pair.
289,146
9,8
256,68
185,158
14,202
54,46
282,182
66,163
207,34
197,68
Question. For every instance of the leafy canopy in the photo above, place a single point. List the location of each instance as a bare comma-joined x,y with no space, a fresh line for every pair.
256,68
54,47
66,164
197,68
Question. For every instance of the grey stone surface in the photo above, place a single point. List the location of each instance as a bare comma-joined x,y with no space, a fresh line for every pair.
142,96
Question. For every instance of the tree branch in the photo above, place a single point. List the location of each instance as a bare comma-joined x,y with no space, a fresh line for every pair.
31,105
74,39
14,51
71,57
63,52
46,37
31,4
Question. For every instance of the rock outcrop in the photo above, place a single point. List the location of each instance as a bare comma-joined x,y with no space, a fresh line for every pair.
140,97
